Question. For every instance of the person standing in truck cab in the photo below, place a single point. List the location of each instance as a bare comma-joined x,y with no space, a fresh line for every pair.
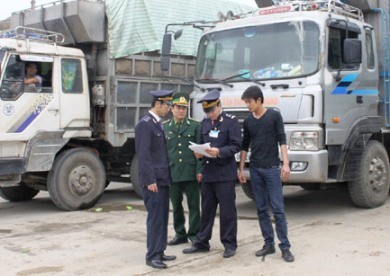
264,132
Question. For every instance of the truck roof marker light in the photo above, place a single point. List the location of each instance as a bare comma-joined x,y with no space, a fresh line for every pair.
336,120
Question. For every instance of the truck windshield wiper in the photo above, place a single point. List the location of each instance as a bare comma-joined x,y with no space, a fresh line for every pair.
190,81
235,76
257,81
244,73
224,82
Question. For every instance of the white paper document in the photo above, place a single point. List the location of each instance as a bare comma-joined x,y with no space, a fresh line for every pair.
200,148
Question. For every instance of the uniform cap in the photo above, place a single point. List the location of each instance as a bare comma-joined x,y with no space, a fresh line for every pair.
210,100
180,98
163,95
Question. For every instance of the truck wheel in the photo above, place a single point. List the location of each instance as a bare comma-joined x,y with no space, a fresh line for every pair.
371,188
134,177
18,193
76,180
247,188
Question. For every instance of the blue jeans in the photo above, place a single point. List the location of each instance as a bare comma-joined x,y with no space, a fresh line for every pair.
267,191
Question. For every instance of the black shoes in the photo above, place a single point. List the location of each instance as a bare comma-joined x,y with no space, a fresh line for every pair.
266,250
194,249
176,241
228,253
270,249
287,256
156,264
168,258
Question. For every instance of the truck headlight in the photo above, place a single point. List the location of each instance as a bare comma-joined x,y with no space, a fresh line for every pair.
304,140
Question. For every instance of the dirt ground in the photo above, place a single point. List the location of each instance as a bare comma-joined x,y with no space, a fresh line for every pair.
329,236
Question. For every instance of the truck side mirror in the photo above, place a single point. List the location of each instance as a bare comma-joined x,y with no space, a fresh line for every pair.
166,48
352,53
166,51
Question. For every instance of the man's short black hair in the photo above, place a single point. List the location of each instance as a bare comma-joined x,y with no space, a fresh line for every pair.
154,101
253,92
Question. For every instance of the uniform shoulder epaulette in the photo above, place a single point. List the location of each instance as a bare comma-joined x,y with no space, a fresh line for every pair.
227,115
165,122
147,119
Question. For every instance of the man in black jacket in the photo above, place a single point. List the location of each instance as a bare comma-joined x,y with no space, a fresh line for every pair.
154,177
264,132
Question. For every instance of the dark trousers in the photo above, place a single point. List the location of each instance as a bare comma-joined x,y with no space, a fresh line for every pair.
268,191
224,194
191,189
157,205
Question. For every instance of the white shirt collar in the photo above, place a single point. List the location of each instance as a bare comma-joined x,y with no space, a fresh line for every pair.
158,119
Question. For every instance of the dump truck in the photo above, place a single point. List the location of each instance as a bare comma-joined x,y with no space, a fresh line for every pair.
73,133
324,65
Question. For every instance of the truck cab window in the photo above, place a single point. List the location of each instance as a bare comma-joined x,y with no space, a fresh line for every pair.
335,48
71,76
24,77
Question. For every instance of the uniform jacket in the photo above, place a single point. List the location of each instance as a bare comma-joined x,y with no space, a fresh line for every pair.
151,153
224,134
182,162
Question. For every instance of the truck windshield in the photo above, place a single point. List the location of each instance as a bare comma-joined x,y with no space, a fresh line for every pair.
275,51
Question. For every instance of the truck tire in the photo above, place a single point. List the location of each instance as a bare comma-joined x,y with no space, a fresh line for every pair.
134,177
247,188
18,193
371,188
76,180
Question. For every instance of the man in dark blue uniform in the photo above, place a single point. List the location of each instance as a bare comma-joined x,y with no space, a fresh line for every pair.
154,177
223,132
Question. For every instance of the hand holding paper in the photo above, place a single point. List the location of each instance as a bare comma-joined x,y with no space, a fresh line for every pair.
201,149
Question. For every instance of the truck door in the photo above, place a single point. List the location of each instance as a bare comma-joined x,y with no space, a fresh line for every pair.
74,94
350,89
27,101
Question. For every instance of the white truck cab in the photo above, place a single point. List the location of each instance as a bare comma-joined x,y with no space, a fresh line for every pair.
36,122
324,66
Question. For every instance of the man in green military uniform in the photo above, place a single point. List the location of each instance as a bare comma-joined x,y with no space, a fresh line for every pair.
185,168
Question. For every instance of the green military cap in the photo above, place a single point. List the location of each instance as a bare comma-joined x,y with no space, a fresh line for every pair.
180,98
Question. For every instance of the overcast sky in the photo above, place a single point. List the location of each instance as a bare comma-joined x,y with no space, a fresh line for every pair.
7,7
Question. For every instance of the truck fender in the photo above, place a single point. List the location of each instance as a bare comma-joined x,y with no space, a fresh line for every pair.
352,151
42,149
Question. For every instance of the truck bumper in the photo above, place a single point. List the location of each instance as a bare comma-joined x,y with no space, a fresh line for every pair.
10,166
11,170
306,167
